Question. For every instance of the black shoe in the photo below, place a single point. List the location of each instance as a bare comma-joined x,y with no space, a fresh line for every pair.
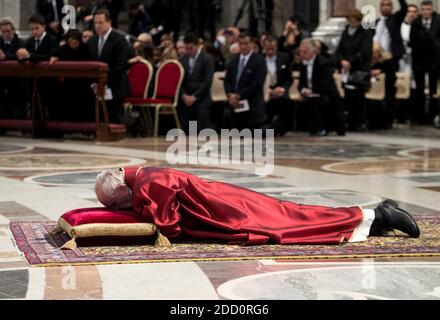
397,218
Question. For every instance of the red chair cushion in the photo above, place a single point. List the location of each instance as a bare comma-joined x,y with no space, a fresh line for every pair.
16,124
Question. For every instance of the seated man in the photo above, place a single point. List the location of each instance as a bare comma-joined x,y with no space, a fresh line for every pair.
185,207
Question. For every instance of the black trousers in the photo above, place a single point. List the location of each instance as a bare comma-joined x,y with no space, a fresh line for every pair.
355,104
13,98
201,114
420,113
316,109
280,114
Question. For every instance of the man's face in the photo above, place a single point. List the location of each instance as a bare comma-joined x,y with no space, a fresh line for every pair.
37,30
86,36
245,45
386,8
354,23
412,14
271,48
122,197
305,52
102,26
74,43
7,32
191,49
427,12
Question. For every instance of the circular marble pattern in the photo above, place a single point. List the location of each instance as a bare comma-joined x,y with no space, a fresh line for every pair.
404,166
328,198
12,148
76,179
53,162
334,151
366,282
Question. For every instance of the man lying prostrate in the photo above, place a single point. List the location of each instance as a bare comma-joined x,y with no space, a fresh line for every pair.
185,207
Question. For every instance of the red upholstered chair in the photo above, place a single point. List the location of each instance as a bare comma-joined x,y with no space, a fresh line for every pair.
169,80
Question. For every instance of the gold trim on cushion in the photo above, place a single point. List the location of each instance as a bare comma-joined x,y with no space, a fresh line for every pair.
108,229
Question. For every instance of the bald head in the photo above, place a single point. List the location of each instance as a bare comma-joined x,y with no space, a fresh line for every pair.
112,191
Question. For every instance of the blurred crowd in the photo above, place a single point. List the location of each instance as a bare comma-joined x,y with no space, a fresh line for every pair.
287,82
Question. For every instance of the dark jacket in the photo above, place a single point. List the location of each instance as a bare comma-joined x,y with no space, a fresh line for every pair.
358,49
250,86
45,8
46,49
10,50
394,23
323,82
284,72
426,44
116,54
66,53
199,82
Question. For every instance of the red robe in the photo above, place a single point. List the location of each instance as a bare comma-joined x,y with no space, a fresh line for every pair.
185,207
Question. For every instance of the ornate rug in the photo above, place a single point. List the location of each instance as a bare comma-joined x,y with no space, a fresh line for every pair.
42,250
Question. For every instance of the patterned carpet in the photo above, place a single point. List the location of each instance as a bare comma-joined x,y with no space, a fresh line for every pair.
40,249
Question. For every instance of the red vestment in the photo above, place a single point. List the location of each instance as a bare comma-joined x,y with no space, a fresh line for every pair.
184,207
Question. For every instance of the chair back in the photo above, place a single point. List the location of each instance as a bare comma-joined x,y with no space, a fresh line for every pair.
403,85
294,93
377,91
169,80
140,75
218,93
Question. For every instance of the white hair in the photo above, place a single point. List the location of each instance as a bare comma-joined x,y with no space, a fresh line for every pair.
111,188
311,43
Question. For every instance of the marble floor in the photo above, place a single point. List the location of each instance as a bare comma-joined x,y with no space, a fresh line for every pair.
42,179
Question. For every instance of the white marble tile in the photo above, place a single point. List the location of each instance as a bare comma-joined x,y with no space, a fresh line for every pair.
170,281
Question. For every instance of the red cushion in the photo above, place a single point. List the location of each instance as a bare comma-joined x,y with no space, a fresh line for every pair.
100,215
138,101
139,76
16,124
168,80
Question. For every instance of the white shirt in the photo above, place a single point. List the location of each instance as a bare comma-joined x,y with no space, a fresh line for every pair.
271,64
40,40
246,58
193,60
405,31
382,36
310,65
102,41
427,23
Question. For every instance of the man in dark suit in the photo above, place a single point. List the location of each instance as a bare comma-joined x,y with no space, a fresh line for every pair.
51,10
111,47
425,42
41,46
244,84
196,89
318,89
12,91
279,70
388,30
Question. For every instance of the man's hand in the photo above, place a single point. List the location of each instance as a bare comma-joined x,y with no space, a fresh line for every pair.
233,100
2,55
55,26
23,54
376,72
307,92
53,60
189,100
88,18
346,65
277,93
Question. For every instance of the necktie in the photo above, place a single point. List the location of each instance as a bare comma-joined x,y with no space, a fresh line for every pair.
100,46
37,44
192,62
240,69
